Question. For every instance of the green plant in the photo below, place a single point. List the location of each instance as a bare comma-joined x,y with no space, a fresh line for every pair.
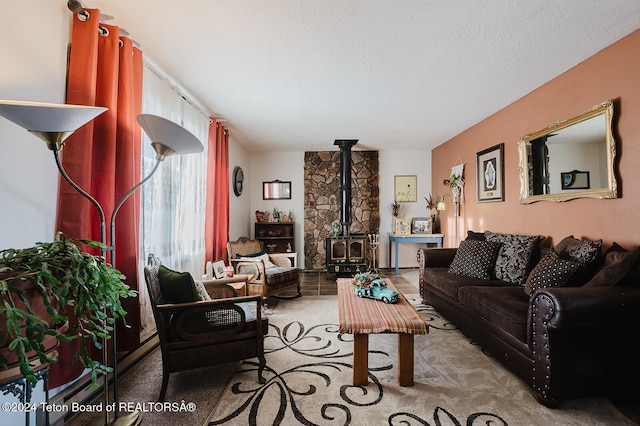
66,277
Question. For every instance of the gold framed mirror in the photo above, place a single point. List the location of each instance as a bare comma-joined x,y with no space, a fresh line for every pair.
574,147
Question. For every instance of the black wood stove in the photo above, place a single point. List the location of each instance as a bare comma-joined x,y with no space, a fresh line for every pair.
346,253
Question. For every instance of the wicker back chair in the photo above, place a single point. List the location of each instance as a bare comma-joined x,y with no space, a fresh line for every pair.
204,333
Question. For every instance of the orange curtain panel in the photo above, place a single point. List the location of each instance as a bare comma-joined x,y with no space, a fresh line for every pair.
217,217
103,157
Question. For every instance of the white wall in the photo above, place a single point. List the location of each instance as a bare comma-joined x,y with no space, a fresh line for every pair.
285,166
33,47
402,163
290,166
240,207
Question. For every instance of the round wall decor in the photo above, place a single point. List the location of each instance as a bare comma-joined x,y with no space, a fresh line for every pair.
238,180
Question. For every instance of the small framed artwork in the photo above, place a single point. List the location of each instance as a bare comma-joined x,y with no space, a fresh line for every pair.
218,269
402,225
490,177
575,180
421,225
405,188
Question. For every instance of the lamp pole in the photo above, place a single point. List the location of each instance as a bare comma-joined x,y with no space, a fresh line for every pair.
53,123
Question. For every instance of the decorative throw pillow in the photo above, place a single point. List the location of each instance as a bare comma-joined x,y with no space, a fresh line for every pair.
582,251
177,287
471,235
516,256
268,264
202,291
475,258
621,267
551,271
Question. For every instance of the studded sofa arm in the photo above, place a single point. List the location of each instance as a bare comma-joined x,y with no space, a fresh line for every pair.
575,331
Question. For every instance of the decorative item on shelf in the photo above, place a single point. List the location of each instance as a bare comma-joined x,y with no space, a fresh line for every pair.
261,232
431,205
396,209
402,225
271,247
289,248
274,233
284,218
276,215
421,225
259,216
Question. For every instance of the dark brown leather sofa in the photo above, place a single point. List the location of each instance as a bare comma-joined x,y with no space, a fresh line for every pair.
564,342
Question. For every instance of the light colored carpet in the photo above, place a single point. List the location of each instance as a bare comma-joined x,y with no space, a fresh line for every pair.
309,380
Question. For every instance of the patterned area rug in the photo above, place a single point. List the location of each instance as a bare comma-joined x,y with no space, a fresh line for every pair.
309,367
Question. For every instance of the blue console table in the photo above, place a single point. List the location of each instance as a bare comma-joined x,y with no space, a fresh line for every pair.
412,238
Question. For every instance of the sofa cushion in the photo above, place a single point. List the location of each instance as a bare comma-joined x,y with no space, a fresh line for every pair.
621,267
281,276
505,307
177,287
475,258
585,252
441,280
551,271
516,256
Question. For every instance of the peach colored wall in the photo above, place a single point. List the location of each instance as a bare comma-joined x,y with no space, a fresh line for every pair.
613,73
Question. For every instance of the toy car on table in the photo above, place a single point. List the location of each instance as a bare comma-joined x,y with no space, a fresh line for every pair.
377,289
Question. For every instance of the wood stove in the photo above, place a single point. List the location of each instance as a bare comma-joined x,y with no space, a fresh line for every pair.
346,253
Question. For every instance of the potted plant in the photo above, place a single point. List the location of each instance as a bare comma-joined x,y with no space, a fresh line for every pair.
53,276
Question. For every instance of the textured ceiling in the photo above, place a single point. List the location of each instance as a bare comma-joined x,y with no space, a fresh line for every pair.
297,74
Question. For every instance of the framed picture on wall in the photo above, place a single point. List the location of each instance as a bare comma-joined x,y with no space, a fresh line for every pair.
405,188
490,174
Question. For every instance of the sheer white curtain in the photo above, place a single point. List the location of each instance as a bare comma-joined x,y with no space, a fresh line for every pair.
173,200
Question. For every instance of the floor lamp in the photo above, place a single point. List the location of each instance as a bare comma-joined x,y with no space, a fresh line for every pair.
456,203
53,123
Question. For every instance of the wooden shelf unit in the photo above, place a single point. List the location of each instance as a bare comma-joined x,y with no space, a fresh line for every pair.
275,236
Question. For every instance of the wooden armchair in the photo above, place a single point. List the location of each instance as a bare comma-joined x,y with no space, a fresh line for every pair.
273,273
208,332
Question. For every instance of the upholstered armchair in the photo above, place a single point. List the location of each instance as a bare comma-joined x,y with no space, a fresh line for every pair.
196,333
273,273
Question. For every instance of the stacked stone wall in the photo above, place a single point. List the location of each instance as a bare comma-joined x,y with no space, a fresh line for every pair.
322,200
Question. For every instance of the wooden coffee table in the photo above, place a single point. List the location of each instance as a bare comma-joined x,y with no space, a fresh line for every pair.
361,317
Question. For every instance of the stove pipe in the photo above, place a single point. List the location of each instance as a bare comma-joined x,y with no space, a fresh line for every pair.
345,182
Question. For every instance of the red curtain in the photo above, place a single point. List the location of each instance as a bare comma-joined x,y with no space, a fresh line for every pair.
217,217
103,158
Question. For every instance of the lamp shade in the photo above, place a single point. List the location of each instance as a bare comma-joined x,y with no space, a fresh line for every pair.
167,137
43,117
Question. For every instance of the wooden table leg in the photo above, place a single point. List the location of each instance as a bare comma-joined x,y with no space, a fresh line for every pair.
361,359
405,359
